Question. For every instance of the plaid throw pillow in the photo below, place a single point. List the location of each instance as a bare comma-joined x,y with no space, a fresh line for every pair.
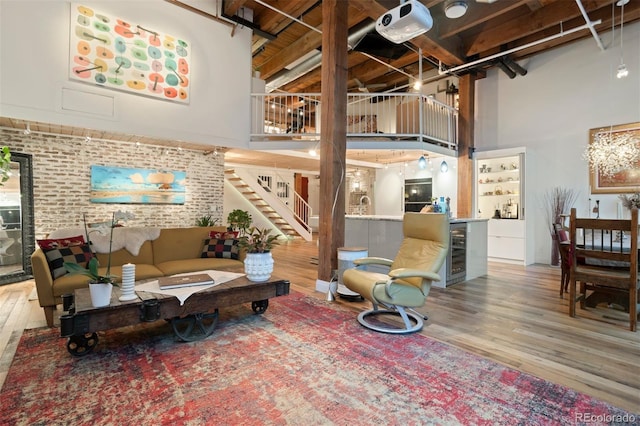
80,254
225,249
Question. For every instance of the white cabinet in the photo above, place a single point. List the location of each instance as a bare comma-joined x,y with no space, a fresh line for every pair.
506,240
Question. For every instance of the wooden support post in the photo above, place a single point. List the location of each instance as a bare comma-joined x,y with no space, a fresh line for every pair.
465,144
333,139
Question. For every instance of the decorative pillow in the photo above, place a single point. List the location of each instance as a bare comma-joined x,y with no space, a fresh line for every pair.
225,249
80,254
60,242
224,235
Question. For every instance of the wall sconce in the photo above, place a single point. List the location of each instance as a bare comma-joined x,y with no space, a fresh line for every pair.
27,131
444,167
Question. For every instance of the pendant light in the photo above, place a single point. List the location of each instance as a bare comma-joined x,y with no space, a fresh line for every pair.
622,68
422,162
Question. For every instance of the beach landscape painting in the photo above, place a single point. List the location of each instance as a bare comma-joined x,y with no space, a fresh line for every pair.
137,186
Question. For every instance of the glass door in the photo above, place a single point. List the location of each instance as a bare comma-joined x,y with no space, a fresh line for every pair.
17,235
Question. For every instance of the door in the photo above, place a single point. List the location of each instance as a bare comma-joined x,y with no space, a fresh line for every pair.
17,235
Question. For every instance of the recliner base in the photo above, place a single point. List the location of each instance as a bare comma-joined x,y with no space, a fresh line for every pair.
412,321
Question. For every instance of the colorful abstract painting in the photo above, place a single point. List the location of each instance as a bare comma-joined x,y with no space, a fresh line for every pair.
137,186
134,57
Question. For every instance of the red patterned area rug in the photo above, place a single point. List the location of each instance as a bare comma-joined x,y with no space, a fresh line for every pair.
304,362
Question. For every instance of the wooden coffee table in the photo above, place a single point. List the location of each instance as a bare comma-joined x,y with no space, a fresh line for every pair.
194,320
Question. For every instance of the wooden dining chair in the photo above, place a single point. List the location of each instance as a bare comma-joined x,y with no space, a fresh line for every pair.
564,245
608,250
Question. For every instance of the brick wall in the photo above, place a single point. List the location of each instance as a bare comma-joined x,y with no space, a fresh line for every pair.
62,173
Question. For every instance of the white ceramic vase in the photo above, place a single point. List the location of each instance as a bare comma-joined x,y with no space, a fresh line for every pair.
258,266
100,294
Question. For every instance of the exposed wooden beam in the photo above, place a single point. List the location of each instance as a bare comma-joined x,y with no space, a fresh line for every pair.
548,17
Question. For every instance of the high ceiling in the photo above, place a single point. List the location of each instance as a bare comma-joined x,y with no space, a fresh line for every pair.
287,33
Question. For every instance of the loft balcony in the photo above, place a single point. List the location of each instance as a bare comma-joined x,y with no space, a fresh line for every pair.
374,121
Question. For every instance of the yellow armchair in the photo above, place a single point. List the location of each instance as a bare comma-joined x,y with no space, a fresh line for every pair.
407,283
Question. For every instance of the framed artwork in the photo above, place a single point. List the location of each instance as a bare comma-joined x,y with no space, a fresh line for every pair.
137,186
112,52
626,181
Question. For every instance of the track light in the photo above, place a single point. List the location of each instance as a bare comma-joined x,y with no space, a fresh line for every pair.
444,167
422,162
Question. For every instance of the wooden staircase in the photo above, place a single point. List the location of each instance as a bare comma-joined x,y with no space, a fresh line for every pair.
262,195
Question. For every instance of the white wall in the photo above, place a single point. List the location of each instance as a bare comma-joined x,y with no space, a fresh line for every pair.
389,184
550,111
34,50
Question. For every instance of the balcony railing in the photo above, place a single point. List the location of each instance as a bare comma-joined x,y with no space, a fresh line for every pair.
370,117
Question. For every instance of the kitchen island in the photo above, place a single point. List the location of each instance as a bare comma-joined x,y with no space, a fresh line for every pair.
382,236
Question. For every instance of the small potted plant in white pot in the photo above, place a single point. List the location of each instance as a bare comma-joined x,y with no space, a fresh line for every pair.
258,263
100,286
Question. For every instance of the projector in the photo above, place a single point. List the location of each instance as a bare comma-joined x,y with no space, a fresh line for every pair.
405,22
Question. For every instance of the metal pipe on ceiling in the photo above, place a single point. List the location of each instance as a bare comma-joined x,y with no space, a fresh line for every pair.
589,24
562,33
312,62
315,61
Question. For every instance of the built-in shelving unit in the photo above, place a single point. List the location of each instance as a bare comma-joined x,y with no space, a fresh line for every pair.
500,197
499,187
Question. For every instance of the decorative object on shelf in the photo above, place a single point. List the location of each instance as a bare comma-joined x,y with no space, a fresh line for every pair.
128,282
614,159
258,263
115,53
239,220
91,271
137,186
558,202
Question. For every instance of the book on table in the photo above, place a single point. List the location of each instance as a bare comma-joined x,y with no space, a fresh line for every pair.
166,283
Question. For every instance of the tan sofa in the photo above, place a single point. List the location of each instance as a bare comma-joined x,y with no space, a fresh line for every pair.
176,250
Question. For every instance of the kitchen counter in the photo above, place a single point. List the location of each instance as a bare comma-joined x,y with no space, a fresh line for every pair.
382,236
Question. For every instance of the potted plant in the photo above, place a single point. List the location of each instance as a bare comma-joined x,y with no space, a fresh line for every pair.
239,220
206,221
100,286
558,202
258,263
5,164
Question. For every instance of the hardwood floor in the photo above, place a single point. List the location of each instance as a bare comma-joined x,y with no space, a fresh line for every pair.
513,316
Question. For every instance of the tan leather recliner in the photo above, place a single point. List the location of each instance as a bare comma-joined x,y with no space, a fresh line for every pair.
408,281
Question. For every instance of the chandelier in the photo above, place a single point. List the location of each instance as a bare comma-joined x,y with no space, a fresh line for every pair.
610,153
